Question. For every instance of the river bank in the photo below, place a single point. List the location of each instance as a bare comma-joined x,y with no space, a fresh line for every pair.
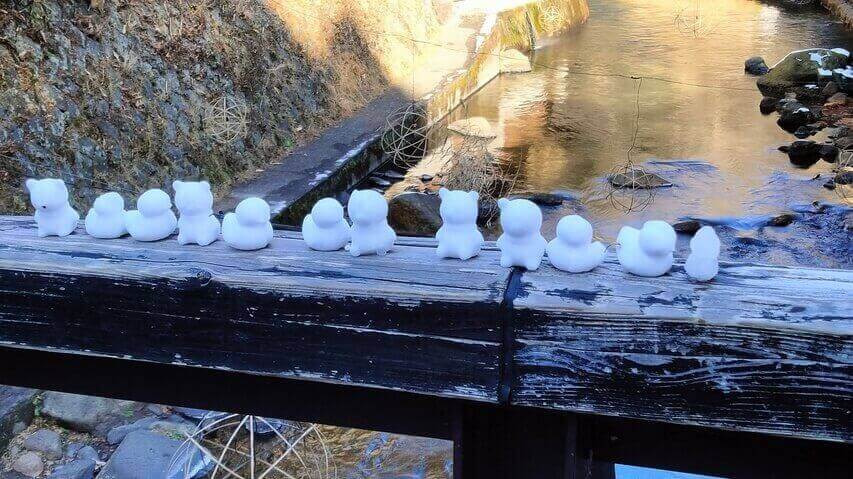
125,97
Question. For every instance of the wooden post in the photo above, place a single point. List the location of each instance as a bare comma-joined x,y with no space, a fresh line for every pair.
512,443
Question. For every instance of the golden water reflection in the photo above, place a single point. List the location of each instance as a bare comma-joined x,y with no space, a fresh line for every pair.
570,128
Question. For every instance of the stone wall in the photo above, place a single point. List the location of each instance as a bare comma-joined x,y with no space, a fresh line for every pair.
127,95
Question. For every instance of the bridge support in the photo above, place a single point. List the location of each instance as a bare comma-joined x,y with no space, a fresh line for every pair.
510,443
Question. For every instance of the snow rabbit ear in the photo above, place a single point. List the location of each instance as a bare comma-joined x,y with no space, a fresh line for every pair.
30,184
503,203
442,193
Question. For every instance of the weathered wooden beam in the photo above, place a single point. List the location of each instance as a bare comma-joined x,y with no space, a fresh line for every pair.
766,349
405,321
763,349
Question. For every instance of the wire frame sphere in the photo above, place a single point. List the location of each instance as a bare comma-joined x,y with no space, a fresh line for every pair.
630,188
225,119
551,18
405,139
252,447
692,20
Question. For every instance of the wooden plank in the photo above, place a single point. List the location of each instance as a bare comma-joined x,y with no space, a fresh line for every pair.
404,321
329,403
764,349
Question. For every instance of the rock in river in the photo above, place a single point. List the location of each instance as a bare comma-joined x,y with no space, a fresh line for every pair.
781,220
637,178
793,115
798,69
768,105
689,227
415,214
844,178
829,153
755,66
541,199
804,153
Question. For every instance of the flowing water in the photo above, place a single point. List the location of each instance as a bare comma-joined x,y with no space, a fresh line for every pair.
569,130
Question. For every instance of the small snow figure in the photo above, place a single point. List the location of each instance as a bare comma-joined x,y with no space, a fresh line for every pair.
703,262
458,236
54,215
105,219
573,250
521,243
371,234
325,229
249,227
153,219
647,251
195,204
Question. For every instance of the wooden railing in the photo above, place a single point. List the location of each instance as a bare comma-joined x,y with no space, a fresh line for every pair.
558,373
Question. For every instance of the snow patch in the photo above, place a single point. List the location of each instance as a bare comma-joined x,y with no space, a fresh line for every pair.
358,149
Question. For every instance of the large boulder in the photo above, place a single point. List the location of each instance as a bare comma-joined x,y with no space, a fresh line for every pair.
85,413
415,214
16,408
799,69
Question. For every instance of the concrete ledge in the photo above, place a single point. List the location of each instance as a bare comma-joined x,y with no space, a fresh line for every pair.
335,162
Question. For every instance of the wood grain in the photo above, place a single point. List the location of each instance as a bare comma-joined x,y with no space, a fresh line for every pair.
405,321
764,349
